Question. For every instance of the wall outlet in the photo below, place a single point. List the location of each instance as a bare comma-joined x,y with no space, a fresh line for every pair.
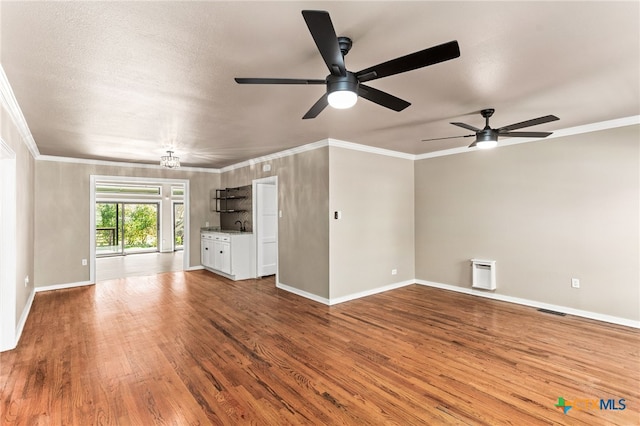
84,262
279,213
206,224
394,272
26,280
575,283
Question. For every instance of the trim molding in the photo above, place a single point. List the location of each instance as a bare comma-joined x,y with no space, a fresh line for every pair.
120,164
535,304
9,102
63,286
342,299
353,296
280,154
303,293
194,268
23,317
316,145
370,149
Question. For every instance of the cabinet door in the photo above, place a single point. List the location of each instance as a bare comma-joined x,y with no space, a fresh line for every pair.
206,253
222,256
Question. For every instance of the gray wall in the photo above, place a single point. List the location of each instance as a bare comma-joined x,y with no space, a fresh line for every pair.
62,214
303,229
546,212
376,233
25,190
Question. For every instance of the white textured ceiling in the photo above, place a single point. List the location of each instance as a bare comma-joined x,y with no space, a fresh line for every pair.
122,80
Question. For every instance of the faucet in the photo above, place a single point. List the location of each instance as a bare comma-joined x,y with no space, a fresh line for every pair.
241,227
245,225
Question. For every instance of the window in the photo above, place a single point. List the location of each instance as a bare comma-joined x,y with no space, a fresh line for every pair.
177,191
128,189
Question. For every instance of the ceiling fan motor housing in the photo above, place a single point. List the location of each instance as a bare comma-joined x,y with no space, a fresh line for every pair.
486,135
337,83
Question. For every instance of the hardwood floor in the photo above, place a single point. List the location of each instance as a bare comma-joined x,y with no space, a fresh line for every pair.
192,348
138,264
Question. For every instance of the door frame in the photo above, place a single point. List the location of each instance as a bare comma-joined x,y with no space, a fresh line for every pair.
129,179
8,268
270,180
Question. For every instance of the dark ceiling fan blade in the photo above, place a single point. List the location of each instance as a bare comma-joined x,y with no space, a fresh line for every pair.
423,58
277,81
525,134
450,137
382,98
533,122
317,108
466,126
321,28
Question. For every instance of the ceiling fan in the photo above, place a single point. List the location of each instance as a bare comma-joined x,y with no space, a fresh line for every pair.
488,137
343,86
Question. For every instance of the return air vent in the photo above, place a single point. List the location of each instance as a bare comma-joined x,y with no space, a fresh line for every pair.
549,311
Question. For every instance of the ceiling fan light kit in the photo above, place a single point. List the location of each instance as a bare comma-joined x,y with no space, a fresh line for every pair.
343,87
485,142
342,92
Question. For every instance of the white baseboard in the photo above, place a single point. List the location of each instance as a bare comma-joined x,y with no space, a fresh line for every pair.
303,293
342,299
346,298
535,304
194,268
23,318
62,286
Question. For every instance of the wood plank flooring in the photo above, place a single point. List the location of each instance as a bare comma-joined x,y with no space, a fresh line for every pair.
138,264
192,348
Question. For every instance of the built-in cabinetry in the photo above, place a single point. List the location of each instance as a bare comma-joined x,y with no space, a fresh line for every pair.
228,254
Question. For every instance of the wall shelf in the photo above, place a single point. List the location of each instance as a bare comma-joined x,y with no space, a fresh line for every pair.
231,200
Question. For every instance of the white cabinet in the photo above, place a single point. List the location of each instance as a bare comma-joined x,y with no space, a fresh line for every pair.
206,250
222,256
229,255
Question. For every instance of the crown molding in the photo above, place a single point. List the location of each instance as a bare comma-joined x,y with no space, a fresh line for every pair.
370,149
121,164
280,154
10,104
316,145
570,131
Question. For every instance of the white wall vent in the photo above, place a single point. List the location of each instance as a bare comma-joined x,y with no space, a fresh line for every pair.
484,274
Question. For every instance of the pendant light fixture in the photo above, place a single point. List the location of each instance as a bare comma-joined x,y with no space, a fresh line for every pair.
169,161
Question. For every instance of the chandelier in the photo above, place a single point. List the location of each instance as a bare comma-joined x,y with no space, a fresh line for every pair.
169,161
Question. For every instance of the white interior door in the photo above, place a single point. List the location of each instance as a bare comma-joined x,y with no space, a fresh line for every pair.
266,228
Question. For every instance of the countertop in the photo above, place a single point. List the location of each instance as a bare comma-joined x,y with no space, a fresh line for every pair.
224,231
